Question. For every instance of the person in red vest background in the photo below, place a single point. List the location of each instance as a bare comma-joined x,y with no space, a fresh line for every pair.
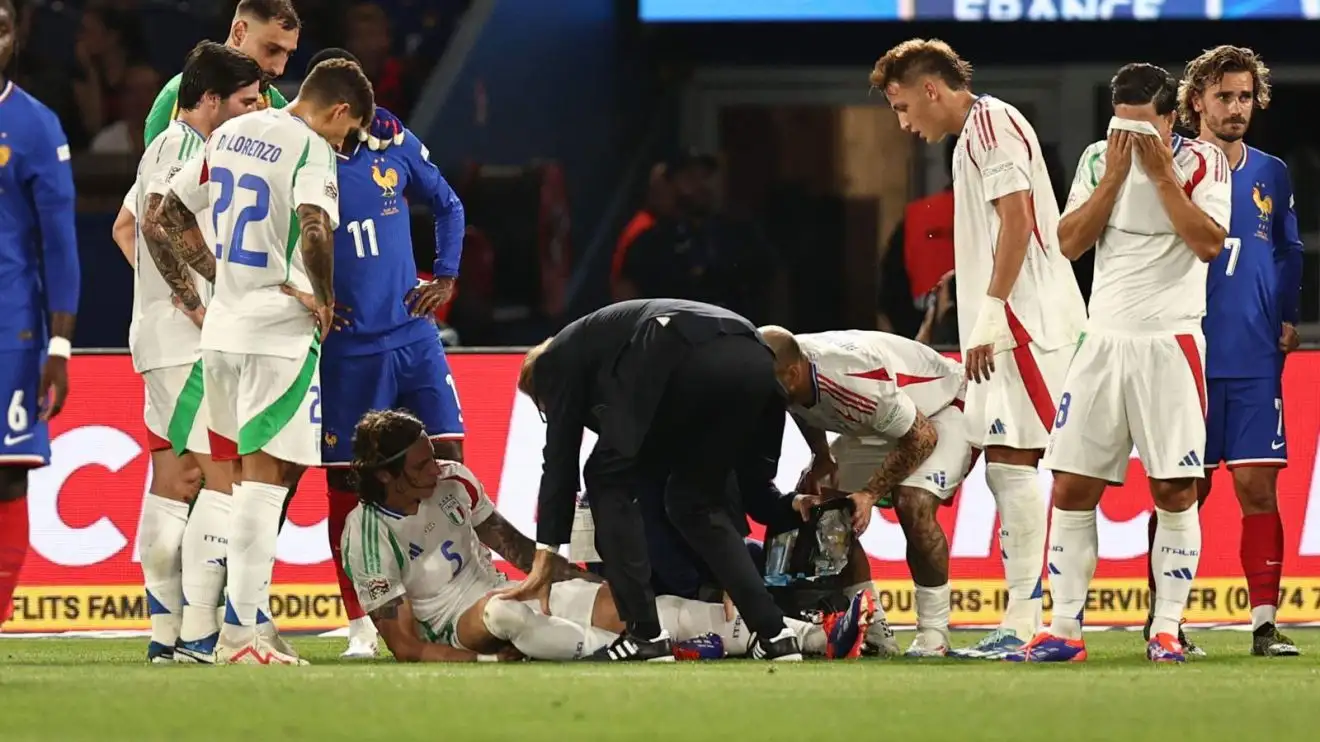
659,203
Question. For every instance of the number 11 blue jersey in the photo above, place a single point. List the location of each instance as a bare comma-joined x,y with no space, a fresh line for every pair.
1254,285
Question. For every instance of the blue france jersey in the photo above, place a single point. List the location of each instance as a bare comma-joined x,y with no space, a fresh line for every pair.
374,264
1255,284
38,248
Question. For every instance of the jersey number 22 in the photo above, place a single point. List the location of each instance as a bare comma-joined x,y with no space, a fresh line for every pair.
254,212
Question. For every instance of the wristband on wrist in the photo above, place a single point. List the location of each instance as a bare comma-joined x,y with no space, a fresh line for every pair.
487,658
552,548
60,347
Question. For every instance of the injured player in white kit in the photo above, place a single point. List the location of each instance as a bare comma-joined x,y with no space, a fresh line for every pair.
418,547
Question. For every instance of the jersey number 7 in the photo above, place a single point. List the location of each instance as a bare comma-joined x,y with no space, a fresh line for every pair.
254,212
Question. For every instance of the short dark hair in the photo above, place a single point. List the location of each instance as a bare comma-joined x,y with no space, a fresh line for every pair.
380,443
333,52
337,81
267,11
1140,83
215,68
916,57
1210,68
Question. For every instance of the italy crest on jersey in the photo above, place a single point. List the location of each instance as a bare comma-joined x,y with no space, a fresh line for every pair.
453,510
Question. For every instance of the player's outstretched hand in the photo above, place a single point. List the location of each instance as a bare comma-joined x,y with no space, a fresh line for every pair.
537,584
197,315
429,296
54,388
1156,157
1118,154
386,131
1289,340
863,503
339,318
980,363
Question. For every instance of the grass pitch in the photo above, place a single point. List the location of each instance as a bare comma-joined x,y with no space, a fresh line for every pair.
97,689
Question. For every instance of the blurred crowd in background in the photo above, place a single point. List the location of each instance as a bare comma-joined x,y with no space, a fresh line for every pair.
601,158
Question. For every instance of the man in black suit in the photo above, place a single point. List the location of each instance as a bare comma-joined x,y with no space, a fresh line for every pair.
681,395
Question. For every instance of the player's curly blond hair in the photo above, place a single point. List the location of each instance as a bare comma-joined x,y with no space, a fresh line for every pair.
921,57
1209,68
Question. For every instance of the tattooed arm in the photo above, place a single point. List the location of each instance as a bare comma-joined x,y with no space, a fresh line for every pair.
175,243
510,543
318,251
394,622
914,447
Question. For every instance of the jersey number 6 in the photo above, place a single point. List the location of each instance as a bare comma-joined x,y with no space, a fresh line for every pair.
256,211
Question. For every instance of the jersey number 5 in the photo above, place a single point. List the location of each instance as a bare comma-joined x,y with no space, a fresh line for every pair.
256,211
457,559
1234,247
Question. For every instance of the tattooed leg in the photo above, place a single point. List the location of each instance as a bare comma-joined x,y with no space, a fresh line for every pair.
928,559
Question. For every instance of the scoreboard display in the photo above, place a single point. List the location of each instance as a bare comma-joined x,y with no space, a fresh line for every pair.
806,11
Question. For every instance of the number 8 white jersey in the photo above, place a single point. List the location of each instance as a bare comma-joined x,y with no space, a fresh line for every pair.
257,169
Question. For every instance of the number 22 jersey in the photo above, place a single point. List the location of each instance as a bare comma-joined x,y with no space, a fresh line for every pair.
257,169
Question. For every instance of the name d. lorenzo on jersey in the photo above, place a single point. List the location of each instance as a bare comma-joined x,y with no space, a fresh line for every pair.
250,147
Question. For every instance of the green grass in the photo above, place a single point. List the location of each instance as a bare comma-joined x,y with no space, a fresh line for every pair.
91,689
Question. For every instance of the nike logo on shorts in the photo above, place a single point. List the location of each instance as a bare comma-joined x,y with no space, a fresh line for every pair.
14,440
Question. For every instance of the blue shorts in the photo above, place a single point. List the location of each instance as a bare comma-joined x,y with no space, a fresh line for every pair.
1244,423
415,377
26,441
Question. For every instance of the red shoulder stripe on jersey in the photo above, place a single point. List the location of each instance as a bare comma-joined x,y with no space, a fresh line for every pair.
969,154
881,374
206,174
1020,135
469,485
986,127
1197,176
845,397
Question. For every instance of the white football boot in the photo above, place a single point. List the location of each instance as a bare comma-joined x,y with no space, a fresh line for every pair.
362,640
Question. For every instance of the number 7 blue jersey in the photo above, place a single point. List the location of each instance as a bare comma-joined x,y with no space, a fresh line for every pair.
1254,285
374,264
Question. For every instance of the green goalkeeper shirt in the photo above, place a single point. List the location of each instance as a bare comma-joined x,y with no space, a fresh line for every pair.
166,107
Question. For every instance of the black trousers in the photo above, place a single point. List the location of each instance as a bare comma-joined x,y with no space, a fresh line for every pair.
721,414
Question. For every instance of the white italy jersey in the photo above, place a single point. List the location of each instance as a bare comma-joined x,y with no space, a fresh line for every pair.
997,155
257,170
872,384
1146,277
160,334
434,557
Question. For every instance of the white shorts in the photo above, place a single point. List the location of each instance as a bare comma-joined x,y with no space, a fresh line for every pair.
940,474
264,403
1015,407
1146,390
174,409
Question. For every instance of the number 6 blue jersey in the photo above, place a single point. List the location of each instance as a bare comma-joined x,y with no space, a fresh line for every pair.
1255,284
374,264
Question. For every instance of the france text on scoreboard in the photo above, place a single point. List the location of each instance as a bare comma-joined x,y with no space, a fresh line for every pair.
802,11
82,571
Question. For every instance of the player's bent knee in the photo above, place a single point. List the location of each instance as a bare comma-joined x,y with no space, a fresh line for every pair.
13,483
1173,495
1076,492
505,619
915,505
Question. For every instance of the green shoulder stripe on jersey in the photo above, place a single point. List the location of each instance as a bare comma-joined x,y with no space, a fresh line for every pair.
398,553
295,224
1090,166
370,541
347,558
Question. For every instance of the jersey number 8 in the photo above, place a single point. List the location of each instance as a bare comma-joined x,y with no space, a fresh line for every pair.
255,212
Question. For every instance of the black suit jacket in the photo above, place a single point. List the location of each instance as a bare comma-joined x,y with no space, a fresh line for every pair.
607,372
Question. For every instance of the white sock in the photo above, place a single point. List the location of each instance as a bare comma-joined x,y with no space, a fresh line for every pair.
1022,531
252,534
161,535
1263,614
361,629
537,636
1174,559
932,608
1074,546
205,544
